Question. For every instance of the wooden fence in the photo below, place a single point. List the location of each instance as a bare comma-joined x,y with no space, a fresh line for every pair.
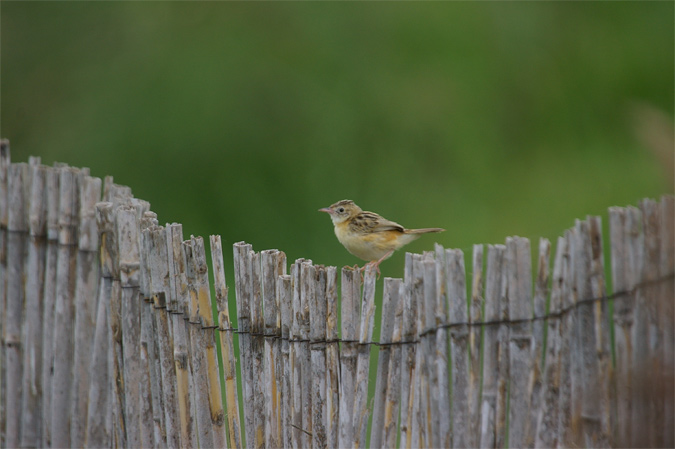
109,337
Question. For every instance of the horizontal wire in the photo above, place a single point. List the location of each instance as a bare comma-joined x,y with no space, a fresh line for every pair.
553,315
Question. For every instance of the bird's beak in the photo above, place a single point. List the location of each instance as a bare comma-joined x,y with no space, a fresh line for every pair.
327,210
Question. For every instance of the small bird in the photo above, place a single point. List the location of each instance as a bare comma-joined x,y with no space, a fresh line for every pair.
367,235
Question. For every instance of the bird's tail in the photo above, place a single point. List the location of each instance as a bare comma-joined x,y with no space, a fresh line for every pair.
423,231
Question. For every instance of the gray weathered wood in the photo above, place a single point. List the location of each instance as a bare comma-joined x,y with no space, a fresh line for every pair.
126,230
177,300
389,304
458,315
207,342
242,283
198,360
489,432
350,310
31,404
360,414
64,312
409,337
546,434
317,311
17,227
156,251
273,265
475,340
285,297
87,278
332,361
226,343
419,425
541,291
393,392
519,272
568,423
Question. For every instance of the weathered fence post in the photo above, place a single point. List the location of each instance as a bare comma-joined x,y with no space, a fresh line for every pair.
226,344
317,344
31,404
332,362
360,413
273,265
381,416
459,347
475,343
351,294
490,432
17,227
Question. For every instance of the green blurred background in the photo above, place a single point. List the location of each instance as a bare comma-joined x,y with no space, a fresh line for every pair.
242,119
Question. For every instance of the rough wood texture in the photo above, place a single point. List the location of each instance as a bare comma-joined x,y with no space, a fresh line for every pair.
64,313
489,432
389,304
351,294
459,347
519,275
108,335
332,360
360,413
85,305
475,341
18,188
226,343
31,404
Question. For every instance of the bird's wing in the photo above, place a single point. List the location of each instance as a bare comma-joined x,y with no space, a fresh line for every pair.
371,222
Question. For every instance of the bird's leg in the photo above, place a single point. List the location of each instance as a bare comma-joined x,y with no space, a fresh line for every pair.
376,263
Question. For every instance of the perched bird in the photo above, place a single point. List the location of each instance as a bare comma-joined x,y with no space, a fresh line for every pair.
367,235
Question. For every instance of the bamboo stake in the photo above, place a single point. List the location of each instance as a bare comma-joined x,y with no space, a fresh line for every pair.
547,414
491,394
569,424
49,294
332,361
31,404
360,414
409,335
378,426
226,343
394,289
351,286
17,227
651,369
150,357
475,338
257,351
87,278
126,231
459,345
156,250
273,265
64,308
99,413
418,416
538,348
317,336
242,283
520,340
203,291
198,360
284,299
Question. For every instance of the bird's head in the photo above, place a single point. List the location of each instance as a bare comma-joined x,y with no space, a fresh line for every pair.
341,211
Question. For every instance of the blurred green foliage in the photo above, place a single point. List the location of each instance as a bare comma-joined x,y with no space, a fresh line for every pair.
242,119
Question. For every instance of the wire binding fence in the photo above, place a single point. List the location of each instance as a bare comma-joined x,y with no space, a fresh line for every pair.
109,337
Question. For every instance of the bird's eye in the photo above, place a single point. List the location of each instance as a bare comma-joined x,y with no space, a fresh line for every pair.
341,209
